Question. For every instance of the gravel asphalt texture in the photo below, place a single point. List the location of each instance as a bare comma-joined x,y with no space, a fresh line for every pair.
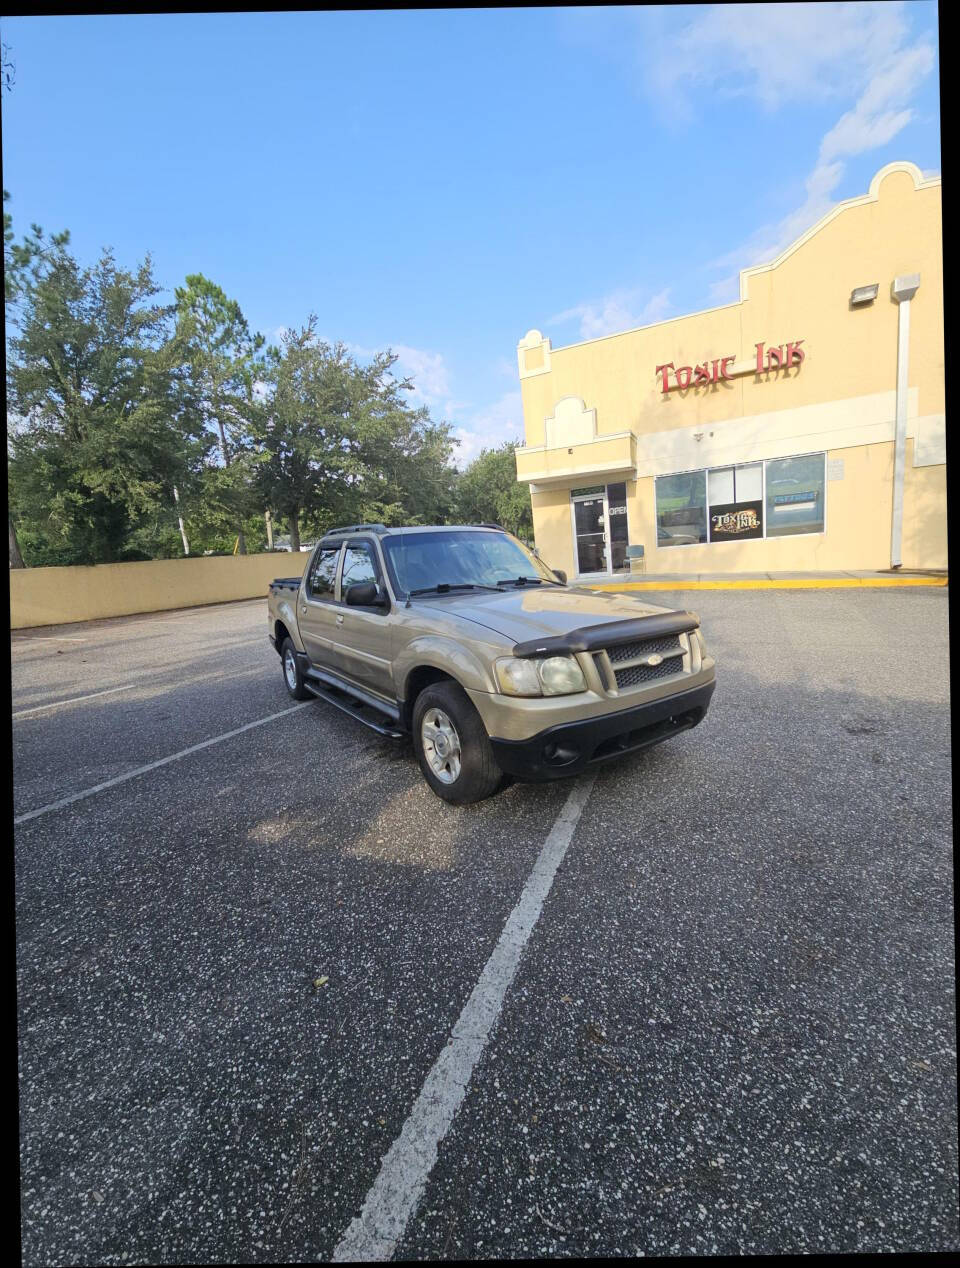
732,1030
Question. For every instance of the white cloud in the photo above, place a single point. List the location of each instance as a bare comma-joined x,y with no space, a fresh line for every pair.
620,310
784,53
883,108
776,53
427,370
489,427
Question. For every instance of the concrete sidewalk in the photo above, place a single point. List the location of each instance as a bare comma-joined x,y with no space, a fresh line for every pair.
769,580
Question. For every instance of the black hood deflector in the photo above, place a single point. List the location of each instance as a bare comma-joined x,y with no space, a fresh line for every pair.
594,637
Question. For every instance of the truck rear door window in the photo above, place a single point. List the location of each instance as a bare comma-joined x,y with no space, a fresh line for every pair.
323,573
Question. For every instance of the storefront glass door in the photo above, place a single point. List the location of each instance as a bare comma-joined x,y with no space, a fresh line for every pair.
589,521
600,528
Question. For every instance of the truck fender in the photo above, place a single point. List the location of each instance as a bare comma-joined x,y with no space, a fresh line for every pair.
286,613
445,654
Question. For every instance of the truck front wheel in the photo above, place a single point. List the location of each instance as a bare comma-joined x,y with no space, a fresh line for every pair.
291,670
452,746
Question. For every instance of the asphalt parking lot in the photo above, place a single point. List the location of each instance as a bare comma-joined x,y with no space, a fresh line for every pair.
732,1028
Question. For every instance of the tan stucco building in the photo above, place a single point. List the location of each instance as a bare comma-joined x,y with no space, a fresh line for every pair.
801,428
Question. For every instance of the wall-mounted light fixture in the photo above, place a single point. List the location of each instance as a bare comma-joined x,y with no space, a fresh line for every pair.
865,294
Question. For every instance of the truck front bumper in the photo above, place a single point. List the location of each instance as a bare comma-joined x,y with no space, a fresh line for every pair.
568,748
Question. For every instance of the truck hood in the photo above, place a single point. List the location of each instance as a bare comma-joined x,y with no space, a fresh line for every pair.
545,611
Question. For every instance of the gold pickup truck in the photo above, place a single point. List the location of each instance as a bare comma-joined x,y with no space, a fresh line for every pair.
461,638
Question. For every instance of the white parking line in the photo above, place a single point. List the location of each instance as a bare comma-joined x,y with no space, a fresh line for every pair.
399,1186
164,761
45,638
58,704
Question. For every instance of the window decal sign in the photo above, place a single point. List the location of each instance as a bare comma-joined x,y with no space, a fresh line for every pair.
736,520
788,499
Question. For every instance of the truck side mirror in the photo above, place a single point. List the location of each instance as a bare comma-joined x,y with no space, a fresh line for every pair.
366,594
560,575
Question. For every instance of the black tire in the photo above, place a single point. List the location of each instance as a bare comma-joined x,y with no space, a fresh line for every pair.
479,776
288,661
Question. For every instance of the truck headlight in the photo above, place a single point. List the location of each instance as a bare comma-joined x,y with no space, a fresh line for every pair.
560,676
518,677
550,676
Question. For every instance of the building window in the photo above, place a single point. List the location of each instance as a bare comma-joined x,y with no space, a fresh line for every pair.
681,509
795,495
736,502
774,498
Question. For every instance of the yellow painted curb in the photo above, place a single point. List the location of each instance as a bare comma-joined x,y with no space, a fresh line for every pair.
780,583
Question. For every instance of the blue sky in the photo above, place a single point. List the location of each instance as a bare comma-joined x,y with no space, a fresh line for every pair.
442,181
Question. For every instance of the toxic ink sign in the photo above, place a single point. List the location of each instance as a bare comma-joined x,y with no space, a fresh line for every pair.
736,520
781,357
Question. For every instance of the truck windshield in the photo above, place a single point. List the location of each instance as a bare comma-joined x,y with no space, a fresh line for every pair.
461,557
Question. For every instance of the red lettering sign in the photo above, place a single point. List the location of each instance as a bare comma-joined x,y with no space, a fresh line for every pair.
778,358
665,369
795,353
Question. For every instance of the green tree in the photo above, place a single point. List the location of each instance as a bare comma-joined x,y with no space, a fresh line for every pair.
337,442
17,256
488,489
102,422
222,360
7,69
16,260
401,459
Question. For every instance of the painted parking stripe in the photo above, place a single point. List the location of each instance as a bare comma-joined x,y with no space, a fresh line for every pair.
148,685
46,638
400,1184
164,761
59,704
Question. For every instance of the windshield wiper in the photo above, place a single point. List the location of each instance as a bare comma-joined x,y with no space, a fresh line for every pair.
524,581
445,586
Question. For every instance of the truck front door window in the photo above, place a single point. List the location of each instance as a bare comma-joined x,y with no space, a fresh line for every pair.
358,567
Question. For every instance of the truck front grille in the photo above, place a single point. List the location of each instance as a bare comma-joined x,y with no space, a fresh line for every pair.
624,652
628,660
633,675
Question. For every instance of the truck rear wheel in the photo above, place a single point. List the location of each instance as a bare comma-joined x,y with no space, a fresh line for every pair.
452,745
291,670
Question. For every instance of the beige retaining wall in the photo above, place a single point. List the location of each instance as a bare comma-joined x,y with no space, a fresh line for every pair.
55,596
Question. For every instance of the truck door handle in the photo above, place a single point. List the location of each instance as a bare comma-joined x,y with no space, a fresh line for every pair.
303,608
339,620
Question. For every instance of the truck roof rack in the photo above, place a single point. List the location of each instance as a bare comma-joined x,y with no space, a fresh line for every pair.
356,528
490,524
